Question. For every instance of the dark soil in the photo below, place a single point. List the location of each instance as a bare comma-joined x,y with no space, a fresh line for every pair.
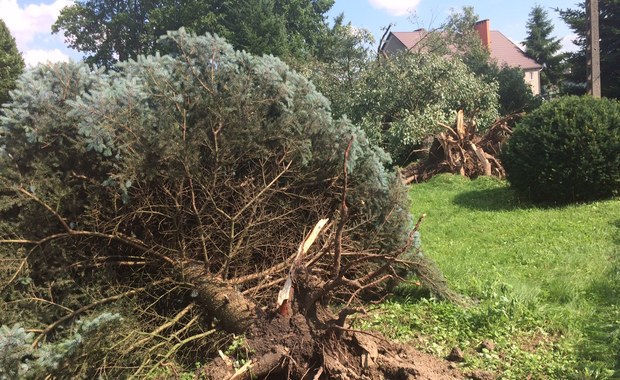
290,348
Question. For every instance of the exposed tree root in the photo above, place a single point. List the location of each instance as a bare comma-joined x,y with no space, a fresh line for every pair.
296,348
299,333
460,150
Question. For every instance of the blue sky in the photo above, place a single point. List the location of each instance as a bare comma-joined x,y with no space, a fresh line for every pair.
508,16
30,20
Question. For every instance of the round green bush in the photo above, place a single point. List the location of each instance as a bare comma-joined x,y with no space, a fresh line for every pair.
568,150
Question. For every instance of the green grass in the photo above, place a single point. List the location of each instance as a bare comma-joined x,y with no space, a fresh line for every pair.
547,280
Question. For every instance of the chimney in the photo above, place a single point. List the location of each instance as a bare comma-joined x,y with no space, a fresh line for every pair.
483,28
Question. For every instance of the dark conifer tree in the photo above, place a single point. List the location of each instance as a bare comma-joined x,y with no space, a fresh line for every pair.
11,62
543,48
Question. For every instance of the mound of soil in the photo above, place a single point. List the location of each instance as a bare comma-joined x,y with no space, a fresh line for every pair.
290,348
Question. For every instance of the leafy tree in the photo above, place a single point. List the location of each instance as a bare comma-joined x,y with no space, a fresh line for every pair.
11,63
113,30
340,62
458,37
515,95
109,31
540,46
609,19
459,34
407,97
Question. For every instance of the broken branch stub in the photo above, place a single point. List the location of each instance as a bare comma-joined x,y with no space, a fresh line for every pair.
286,293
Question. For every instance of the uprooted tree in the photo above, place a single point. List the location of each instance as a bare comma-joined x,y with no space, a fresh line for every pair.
460,149
181,193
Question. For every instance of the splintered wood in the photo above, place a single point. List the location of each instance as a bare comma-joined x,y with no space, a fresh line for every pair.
461,150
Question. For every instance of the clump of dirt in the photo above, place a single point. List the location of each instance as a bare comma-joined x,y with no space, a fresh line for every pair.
303,338
293,348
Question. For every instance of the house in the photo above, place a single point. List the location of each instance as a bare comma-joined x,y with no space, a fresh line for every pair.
503,50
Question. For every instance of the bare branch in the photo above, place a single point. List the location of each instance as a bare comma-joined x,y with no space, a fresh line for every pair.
344,214
81,310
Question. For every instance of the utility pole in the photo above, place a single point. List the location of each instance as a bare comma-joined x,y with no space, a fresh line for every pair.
593,55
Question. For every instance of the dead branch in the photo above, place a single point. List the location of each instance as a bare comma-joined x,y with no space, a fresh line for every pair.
344,214
386,30
160,329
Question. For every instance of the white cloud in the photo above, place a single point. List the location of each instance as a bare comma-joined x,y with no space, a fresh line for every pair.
33,57
27,23
31,25
396,7
568,45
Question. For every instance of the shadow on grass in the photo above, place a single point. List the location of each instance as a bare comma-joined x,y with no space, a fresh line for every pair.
499,199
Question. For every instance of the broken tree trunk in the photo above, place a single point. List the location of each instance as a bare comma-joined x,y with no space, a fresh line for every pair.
461,150
234,312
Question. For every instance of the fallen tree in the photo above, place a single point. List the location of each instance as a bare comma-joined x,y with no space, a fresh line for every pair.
178,192
461,150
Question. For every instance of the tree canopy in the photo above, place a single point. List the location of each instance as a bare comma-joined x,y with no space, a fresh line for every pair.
407,97
458,37
109,31
11,63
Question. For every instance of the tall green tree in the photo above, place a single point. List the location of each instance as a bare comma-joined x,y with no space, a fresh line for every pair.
543,48
339,63
609,20
116,30
461,35
11,63
457,36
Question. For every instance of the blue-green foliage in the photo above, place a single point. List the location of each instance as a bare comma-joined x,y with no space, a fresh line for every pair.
14,345
204,116
19,360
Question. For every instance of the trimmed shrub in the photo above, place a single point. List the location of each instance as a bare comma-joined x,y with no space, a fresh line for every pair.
567,150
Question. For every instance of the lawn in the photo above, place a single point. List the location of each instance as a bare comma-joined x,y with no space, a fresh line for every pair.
545,282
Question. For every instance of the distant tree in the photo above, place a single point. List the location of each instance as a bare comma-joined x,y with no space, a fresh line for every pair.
11,63
609,32
339,63
285,28
543,48
514,94
458,34
116,30
407,99
107,30
463,37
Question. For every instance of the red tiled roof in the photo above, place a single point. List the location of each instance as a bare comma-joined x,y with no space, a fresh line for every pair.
503,50
507,52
